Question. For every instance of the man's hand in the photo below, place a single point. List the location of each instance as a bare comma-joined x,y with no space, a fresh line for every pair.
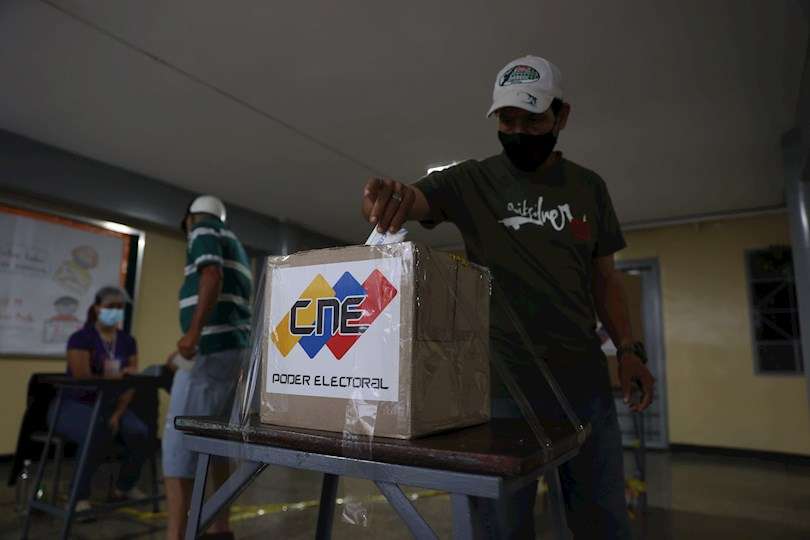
387,203
632,370
187,346
170,362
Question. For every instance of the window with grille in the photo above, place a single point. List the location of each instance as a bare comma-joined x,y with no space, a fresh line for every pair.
774,311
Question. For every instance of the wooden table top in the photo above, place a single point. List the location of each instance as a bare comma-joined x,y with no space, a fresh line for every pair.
501,447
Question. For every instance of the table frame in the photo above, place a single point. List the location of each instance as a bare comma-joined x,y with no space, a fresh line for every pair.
68,514
464,488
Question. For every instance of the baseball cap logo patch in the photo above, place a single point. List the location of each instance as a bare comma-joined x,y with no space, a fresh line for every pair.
518,75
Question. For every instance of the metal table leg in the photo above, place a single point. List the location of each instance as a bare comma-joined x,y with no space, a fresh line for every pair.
387,477
154,473
41,466
642,469
197,496
229,491
464,525
58,456
74,489
326,511
415,522
559,522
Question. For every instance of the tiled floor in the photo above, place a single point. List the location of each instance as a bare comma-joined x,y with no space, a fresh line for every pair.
691,496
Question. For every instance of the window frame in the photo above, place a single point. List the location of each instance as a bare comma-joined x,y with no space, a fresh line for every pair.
798,353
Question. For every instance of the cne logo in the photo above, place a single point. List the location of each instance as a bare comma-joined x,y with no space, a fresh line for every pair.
335,316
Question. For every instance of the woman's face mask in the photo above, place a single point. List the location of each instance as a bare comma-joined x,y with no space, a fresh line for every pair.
111,316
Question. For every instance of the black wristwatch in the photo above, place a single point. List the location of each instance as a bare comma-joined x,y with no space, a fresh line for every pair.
636,348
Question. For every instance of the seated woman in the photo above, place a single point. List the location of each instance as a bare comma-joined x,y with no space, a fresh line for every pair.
101,350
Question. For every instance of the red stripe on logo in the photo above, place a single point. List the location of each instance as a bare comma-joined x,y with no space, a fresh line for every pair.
380,292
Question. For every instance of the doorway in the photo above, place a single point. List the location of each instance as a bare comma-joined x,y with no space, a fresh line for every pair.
642,283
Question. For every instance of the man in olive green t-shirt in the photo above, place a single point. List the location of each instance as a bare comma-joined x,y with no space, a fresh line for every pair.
546,228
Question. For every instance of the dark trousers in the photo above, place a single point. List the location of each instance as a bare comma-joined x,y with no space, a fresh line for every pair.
592,483
73,423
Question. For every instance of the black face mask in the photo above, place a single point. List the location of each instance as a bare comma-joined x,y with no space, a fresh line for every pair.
527,152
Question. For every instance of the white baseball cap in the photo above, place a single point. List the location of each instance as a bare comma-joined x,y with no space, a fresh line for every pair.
208,204
205,204
530,83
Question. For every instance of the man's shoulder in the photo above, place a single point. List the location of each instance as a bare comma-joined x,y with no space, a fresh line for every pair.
495,162
204,229
464,168
212,227
473,169
208,222
581,173
498,164
457,174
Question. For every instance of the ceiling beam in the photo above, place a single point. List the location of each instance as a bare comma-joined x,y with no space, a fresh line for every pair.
33,169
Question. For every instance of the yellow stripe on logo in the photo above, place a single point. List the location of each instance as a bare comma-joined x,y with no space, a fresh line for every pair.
284,340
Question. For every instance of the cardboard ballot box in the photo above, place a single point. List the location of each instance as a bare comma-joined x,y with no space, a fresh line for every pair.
387,340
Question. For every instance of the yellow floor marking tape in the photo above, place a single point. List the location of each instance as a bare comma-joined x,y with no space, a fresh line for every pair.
637,486
244,512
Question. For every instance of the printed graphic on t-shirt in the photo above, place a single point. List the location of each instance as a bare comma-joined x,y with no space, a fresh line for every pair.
581,229
558,218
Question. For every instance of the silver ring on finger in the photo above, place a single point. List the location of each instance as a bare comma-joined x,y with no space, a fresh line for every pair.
397,197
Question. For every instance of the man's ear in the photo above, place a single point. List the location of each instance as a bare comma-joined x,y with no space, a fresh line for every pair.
565,110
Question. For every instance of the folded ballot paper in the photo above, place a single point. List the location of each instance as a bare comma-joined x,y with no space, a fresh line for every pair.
376,238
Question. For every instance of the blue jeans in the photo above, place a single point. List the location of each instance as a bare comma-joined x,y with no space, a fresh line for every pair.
592,482
73,423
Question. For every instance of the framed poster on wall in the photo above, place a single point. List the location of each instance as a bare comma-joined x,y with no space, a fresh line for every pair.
51,266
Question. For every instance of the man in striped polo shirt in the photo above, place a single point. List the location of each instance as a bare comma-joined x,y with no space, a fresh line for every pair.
215,320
